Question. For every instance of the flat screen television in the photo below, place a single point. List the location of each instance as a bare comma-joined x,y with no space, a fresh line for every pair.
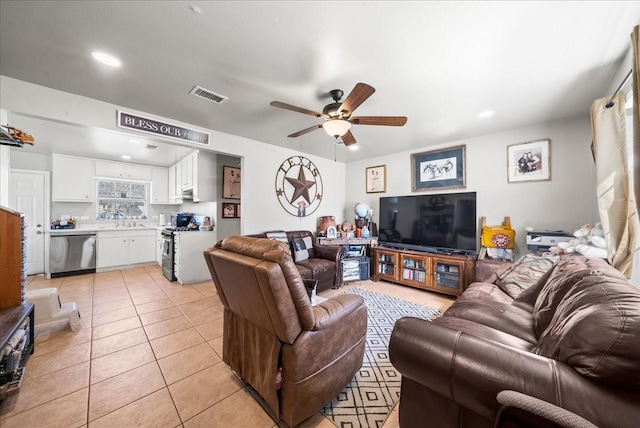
443,223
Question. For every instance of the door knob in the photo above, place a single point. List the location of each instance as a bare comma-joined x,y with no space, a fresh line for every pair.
38,225
39,232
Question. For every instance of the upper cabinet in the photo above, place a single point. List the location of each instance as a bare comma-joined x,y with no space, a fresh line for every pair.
72,179
160,185
195,176
123,170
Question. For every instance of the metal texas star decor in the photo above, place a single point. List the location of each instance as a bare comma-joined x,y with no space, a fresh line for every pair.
299,186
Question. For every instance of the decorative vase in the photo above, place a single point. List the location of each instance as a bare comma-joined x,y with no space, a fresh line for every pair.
324,222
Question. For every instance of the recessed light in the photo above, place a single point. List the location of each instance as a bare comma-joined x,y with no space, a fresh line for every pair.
486,114
134,141
353,148
107,59
125,157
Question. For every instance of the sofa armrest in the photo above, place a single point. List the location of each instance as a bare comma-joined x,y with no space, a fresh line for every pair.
333,310
471,371
519,409
328,252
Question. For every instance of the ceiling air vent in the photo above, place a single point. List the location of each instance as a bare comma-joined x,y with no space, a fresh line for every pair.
151,146
208,95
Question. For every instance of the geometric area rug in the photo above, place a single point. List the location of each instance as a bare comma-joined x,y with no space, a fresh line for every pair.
369,397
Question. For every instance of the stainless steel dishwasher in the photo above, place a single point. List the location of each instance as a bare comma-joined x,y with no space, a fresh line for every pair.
72,253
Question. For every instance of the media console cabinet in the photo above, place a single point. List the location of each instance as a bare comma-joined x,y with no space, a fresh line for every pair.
442,273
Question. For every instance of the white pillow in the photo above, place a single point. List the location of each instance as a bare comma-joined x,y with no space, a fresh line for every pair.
279,235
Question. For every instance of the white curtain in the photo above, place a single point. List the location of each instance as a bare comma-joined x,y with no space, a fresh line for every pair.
635,79
614,184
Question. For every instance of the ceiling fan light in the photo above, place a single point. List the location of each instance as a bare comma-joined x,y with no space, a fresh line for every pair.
336,127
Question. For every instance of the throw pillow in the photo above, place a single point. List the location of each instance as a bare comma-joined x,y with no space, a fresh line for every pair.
278,235
524,273
301,247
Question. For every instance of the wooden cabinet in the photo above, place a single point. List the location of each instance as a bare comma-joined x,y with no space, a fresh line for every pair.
385,265
123,170
13,273
125,248
448,274
72,179
14,309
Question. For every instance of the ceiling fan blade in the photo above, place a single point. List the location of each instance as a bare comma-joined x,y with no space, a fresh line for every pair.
379,120
294,108
358,95
305,131
348,139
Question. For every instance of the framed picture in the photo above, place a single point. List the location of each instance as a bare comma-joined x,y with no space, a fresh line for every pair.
230,182
438,169
529,161
228,210
376,179
237,210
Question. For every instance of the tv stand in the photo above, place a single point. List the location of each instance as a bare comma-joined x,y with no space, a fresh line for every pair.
443,273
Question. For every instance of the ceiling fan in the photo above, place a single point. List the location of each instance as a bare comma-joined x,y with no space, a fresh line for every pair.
338,114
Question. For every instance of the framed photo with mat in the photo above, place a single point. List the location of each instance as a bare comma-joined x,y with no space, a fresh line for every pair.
529,161
228,210
376,179
438,169
231,182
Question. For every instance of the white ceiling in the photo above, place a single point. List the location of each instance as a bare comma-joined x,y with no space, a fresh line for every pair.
438,63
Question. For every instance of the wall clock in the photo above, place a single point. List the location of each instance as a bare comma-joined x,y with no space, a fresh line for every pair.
299,186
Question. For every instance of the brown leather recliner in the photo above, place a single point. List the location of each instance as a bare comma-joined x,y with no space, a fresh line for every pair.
269,323
324,263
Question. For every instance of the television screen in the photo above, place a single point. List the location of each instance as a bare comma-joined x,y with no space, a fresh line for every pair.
441,223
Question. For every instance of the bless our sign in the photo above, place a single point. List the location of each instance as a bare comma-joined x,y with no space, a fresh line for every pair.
130,121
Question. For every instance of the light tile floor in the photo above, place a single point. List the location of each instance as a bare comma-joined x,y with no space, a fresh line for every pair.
149,354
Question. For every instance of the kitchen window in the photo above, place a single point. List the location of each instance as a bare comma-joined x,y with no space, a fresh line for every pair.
121,199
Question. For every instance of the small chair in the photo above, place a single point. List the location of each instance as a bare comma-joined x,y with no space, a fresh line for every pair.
298,357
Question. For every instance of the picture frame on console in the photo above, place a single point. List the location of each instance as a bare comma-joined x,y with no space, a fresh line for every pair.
529,161
376,179
438,169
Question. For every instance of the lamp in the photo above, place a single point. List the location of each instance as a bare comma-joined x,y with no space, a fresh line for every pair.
337,127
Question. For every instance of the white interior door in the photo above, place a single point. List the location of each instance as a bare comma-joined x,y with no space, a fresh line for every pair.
27,195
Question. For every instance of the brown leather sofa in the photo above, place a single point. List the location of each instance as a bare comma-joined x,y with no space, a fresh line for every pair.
324,263
269,323
571,340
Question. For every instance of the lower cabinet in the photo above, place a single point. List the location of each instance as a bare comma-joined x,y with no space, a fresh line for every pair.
448,274
125,248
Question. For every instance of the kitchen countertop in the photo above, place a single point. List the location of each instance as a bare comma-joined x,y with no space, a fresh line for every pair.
107,227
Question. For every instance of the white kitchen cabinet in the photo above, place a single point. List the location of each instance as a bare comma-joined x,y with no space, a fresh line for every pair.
189,176
112,250
126,247
123,170
142,248
175,178
159,247
189,263
160,185
72,179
